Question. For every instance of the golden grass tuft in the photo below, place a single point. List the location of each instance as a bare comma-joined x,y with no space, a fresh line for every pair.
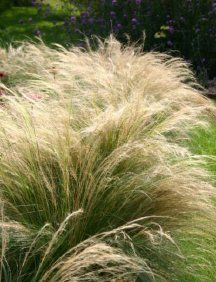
95,182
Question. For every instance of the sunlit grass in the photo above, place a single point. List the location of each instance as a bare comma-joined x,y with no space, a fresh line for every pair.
203,142
94,164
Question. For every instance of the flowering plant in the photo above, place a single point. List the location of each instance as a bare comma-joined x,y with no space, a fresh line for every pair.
188,26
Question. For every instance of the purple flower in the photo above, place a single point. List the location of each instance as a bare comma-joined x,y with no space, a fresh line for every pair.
134,21
138,2
171,29
114,2
119,26
73,19
112,14
171,22
85,15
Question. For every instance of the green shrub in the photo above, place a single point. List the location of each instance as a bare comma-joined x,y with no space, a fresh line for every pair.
22,2
4,5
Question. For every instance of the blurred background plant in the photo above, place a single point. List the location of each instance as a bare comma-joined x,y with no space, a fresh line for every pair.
188,27
4,4
185,28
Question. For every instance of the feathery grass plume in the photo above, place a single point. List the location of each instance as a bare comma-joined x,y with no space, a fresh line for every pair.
95,185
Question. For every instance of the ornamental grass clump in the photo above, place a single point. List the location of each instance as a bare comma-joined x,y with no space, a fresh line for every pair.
95,184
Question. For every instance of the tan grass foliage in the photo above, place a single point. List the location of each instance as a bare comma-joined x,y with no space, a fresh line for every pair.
94,178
